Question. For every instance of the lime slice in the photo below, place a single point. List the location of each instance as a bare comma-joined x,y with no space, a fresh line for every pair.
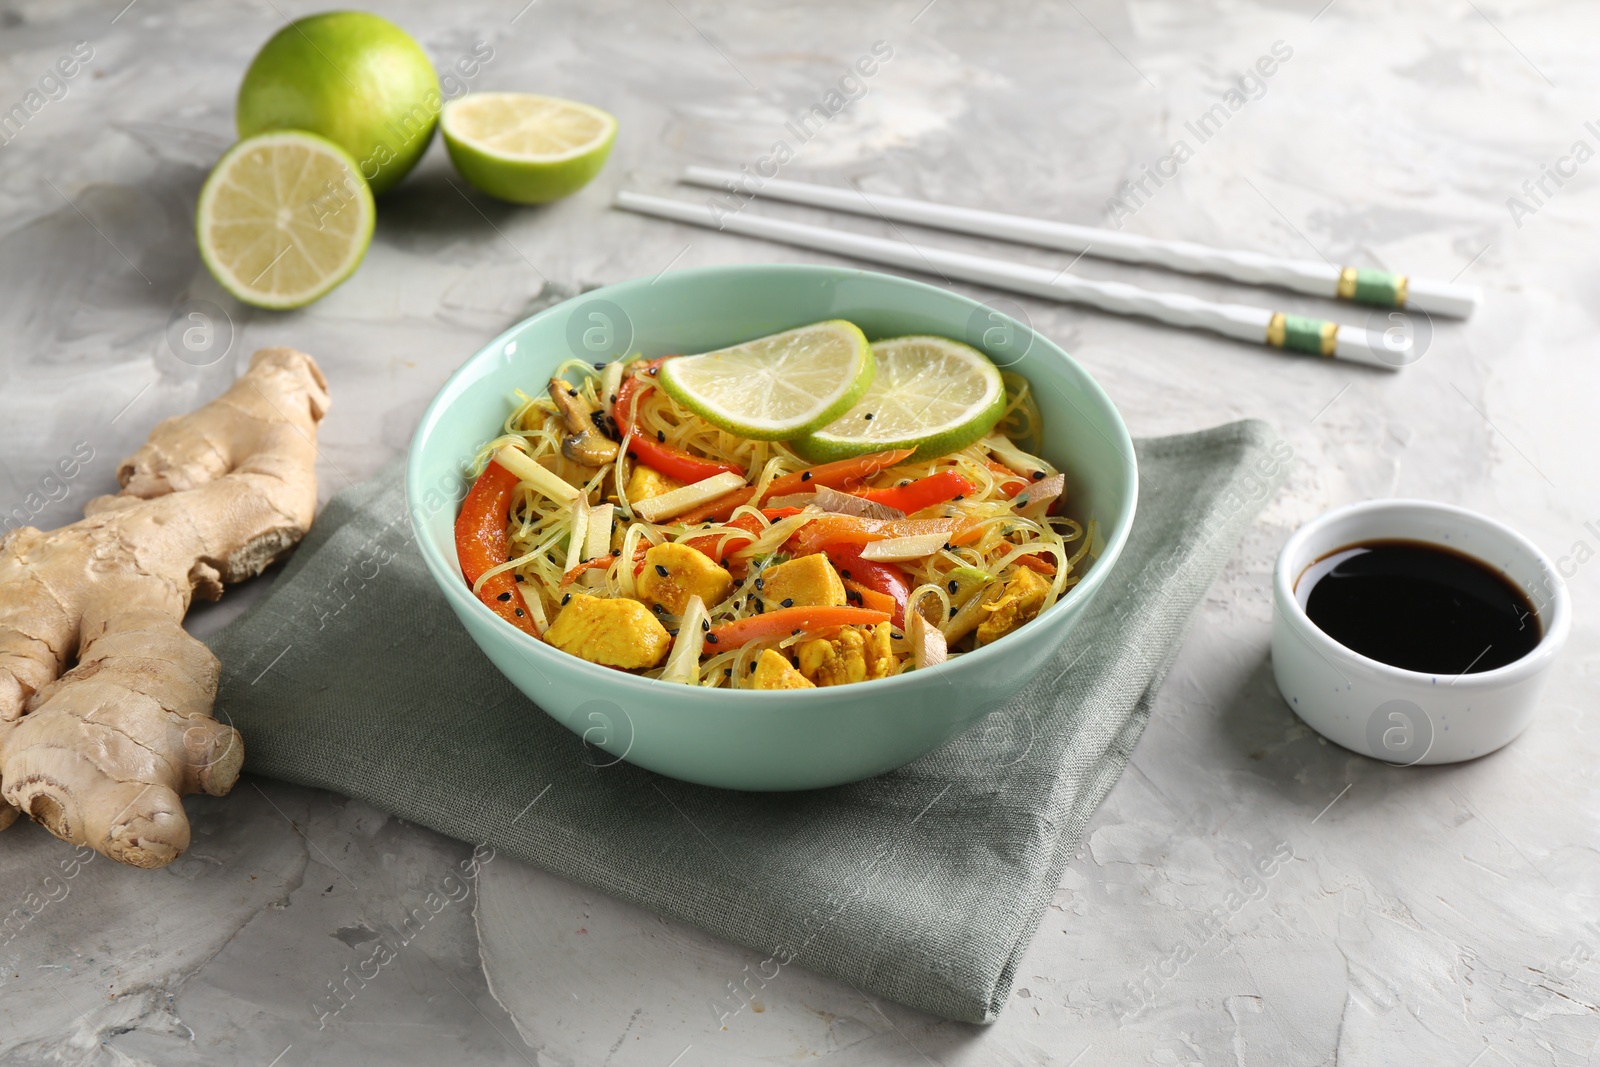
525,148
930,393
283,218
779,387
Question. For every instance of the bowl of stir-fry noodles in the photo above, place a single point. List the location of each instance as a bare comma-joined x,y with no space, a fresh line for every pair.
748,612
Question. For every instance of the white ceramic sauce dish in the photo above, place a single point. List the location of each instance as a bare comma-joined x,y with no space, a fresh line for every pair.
1402,716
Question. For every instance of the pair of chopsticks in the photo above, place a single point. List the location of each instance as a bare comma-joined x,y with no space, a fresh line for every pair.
1291,333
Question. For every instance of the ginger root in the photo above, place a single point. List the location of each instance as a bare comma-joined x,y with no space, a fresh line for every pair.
101,753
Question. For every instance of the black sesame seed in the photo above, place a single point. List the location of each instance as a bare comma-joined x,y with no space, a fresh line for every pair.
752,667
658,609
1038,476
727,672
661,435
905,481
632,454
654,369
844,574
1021,500
851,595
868,416
957,496
613,398
954,585
519,577
794,631
705,624
503,597
661,570
760,582
571,391
565,599
787,601
953,610
599,366
616,551
519,613
947,546
760,607
805,476
711,639
895,635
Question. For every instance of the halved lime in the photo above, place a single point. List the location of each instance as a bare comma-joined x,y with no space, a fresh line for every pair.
526,148
284,218
779,387
930,393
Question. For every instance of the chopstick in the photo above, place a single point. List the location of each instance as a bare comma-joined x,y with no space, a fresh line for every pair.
1357,284
1287,332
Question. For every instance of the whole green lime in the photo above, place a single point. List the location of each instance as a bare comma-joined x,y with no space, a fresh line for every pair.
352,77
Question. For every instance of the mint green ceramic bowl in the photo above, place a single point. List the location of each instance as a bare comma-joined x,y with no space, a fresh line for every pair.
740,739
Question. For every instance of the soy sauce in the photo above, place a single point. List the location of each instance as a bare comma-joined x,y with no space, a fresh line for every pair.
1421,607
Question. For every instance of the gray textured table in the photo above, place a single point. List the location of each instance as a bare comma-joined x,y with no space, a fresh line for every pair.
1442,916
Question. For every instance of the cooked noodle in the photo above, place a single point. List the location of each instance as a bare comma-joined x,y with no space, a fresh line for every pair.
539,527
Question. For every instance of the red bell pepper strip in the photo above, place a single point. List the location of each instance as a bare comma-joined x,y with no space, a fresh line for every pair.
785,621
774,514
673,462
847,529
922,493
845,474
884,578
718,545
481,544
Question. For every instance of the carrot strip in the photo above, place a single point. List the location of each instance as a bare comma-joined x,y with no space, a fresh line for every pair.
1038,564
718,545
872,599
848,529
787,621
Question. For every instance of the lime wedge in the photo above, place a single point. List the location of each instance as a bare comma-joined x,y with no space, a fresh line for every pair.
779,387
284,218
525,148
930,393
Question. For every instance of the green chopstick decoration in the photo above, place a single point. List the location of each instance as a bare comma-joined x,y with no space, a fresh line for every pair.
1295,333
1379,288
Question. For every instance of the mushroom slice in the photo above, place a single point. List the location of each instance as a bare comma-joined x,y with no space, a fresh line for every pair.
584,442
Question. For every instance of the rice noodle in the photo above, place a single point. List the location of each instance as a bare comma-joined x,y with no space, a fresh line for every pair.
994,536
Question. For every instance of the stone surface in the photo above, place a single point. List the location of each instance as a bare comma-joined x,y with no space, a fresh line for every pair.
1442,915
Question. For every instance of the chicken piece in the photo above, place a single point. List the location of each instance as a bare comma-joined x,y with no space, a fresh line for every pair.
674,573
1018,602
775,672
646,482
806,580
856,654
614,632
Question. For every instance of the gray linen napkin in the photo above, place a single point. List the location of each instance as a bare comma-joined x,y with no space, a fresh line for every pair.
924,885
